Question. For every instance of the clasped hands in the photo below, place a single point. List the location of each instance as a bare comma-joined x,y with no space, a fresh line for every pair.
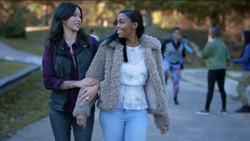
89,93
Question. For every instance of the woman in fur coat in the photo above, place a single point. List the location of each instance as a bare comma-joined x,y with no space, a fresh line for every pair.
128,65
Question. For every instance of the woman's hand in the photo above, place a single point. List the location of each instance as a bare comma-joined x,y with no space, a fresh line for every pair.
193,45
89,81
164,129
90,93
81,120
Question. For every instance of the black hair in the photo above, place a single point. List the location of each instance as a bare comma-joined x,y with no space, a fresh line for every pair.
63,12
216,31
176,28
134,16
91,31
246,34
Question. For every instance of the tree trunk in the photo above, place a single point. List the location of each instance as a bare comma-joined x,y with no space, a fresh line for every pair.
222,23
148,18
215,19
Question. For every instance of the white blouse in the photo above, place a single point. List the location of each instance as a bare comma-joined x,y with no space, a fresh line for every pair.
133,76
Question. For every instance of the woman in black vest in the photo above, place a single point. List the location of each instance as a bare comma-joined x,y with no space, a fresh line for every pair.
68,54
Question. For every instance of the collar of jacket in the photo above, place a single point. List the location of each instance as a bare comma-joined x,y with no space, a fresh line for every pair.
145,41
62,50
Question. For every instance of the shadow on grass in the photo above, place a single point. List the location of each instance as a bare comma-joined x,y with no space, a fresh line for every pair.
9,68
23,105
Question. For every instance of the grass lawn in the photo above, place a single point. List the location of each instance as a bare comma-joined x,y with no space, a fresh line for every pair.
23,105
231,77
100,31
35,39
27,45
8,68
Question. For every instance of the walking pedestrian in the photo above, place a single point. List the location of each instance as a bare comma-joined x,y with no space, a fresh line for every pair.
245,77
173,52
216,55
129,68
68,54
93,34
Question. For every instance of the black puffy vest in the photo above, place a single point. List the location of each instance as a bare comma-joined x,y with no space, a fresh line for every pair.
62,68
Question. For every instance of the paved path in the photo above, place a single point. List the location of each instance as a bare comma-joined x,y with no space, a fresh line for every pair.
199,78
11,54
185,124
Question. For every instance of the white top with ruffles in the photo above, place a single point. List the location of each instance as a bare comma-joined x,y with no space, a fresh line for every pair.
133,76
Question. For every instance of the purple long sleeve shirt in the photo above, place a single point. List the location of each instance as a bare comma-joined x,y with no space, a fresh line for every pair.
245,59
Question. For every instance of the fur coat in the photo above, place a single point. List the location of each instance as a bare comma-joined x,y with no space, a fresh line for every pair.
106,68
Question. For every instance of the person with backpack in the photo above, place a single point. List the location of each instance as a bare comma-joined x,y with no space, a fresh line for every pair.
173,53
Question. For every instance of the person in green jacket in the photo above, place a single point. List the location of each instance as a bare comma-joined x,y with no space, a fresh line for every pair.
216,55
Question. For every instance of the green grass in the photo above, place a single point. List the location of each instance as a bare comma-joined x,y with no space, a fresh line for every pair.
27,45
27,103
8,68
231,77
100,31
34,43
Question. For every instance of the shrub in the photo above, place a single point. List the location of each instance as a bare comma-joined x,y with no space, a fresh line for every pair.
15,27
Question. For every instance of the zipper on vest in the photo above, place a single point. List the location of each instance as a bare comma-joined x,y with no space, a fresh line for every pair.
74,61
70,71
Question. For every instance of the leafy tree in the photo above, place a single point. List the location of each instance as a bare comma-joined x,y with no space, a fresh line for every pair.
201,8
15,26
41,9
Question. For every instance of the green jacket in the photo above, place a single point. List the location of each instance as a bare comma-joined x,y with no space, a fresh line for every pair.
215,53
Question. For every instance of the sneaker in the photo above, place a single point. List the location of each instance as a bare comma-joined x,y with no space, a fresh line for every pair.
176,101
223,112
203,112
243,109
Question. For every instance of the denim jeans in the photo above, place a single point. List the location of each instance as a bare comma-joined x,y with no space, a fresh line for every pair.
124,125
62,123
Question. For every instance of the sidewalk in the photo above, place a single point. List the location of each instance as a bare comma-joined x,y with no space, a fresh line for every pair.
199,78
11,54
185,124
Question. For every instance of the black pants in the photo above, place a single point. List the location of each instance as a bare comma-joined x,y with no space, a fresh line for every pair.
213,76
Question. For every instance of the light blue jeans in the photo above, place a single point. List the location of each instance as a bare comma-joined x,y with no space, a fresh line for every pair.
124,125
